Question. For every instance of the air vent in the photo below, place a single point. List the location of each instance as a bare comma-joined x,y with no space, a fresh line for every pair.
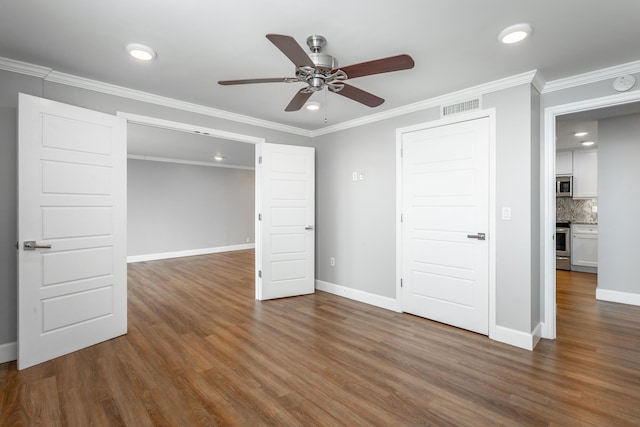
460,107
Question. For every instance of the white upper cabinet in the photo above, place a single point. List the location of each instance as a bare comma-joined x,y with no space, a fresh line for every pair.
585,174
564,162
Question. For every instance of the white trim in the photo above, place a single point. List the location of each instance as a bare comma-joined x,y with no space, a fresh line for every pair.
190,252
617,296
490,114
8,352
453,97
357,295
109,89
53,76
527,341
592,77
187,162
548,204
23,68
189,128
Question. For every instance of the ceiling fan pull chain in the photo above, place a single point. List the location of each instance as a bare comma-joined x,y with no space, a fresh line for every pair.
326,105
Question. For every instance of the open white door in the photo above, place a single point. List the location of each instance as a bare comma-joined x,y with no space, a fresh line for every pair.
445,205
285,255
72,277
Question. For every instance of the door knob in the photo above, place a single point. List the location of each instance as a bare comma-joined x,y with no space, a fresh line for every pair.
479,236
31,245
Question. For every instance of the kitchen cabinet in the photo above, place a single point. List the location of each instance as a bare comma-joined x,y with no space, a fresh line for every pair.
564,162
584,245
585,174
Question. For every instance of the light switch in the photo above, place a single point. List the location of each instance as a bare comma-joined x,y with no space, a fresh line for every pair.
354,176
506,213
361,176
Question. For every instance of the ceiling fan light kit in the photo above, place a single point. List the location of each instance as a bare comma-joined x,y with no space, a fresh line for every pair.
320,71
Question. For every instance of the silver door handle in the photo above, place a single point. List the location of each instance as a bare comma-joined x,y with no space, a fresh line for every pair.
309,227
479,236
31,245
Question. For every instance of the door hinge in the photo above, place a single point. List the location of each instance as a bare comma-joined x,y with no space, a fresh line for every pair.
401,284
260,160
260,274
259,217
401,217
401,152
17,245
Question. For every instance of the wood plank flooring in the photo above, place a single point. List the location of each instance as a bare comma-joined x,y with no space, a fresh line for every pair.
201,351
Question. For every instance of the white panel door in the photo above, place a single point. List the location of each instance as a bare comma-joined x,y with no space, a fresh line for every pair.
445,202
71,197
286,255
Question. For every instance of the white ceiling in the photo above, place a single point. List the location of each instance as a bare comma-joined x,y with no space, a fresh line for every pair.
453,42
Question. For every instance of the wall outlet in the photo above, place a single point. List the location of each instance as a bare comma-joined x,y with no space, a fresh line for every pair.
594,209
248,239
332,262
506,213
354,176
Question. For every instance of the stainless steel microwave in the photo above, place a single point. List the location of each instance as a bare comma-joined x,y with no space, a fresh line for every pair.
564,186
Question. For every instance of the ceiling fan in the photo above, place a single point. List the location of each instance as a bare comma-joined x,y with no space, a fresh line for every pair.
320,70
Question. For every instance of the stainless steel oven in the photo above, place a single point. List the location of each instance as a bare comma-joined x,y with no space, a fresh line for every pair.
563,245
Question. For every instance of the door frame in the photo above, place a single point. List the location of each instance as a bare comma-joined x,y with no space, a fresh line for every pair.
489,113
548,205
215,133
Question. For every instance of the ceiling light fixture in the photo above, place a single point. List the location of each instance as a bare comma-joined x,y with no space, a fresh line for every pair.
312,106
515,33
588,143
218,158
141,52
579,134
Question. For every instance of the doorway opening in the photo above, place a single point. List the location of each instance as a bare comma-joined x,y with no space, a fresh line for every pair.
154,140
611,106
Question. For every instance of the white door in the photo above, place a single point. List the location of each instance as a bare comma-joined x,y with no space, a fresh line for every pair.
71,197
445,205
286,236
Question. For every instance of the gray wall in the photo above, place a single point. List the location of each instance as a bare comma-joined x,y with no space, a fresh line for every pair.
176,207
618,203
10,85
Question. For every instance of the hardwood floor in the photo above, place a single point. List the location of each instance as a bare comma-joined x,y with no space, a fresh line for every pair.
201,351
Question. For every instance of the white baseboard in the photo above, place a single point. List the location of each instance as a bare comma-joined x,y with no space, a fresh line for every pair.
8,352
527,341
361,296
617,296
191,252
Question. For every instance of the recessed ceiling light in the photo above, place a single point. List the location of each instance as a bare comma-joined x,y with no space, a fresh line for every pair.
515,33
218,158
588,143
578,134
141,52
312,106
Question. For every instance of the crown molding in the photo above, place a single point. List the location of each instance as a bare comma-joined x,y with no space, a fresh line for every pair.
452,97
110,89
24,68
592,77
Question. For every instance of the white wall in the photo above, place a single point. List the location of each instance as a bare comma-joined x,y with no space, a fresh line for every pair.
176,207
618,204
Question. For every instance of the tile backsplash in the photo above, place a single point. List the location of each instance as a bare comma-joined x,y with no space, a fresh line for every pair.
576,210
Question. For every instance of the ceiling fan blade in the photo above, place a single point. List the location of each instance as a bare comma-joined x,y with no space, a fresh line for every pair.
290,47
378,66
250,81
298,101
361,96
